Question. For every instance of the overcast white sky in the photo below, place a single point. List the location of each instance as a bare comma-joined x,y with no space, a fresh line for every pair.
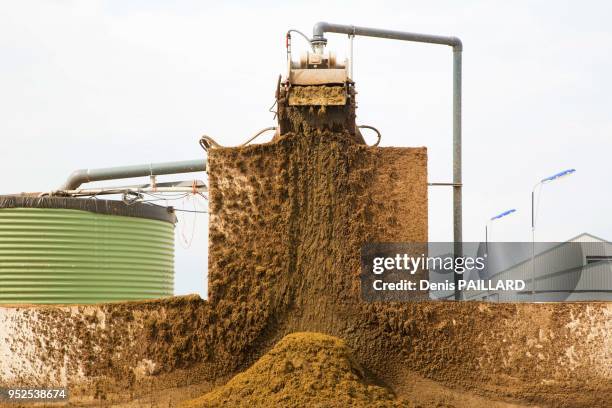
105,83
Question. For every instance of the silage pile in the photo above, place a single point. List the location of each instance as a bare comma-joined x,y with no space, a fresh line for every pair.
303,369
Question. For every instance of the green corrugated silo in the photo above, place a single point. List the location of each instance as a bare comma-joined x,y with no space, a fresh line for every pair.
67,250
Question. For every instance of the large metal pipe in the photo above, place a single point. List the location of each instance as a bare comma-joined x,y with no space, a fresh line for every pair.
318,40
322,27
457,200
81,176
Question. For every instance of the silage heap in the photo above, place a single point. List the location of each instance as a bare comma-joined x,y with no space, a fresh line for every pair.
287,222
302,370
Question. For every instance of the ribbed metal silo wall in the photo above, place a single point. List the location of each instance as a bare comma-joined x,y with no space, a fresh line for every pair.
50,255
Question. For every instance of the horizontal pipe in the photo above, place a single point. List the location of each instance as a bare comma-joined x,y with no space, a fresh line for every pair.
445,184
322,27
81,176
103,191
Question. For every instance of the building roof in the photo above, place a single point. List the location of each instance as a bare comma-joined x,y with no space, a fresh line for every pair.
586,237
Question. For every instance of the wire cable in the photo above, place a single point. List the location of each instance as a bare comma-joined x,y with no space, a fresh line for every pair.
190,211
207,142
303,35
375,130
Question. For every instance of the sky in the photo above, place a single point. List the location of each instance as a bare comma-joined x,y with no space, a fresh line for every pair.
87,84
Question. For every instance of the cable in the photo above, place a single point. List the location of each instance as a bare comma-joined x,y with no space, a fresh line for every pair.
190,211
187,242
374,129
276,96
262,131
271,109
207,142
171,196
303,35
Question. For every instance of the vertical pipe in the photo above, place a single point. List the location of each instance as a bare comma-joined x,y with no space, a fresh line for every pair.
486,255
533,281
288,46
457,210
351,38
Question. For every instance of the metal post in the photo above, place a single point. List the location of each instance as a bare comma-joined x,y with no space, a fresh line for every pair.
351,38
533,219
487,254
533,271
288,46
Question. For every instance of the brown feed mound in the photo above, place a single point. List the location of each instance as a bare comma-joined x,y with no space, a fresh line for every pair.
303,369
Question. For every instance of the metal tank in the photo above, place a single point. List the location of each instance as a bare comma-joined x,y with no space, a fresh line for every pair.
68,250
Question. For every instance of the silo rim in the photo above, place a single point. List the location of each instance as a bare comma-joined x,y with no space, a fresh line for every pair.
108,207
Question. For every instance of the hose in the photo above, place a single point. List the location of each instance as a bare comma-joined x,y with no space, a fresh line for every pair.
207,142
258,134
303,35
374,129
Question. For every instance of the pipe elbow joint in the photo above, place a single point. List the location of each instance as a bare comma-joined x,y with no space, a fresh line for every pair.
319,29
456,44
75,179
